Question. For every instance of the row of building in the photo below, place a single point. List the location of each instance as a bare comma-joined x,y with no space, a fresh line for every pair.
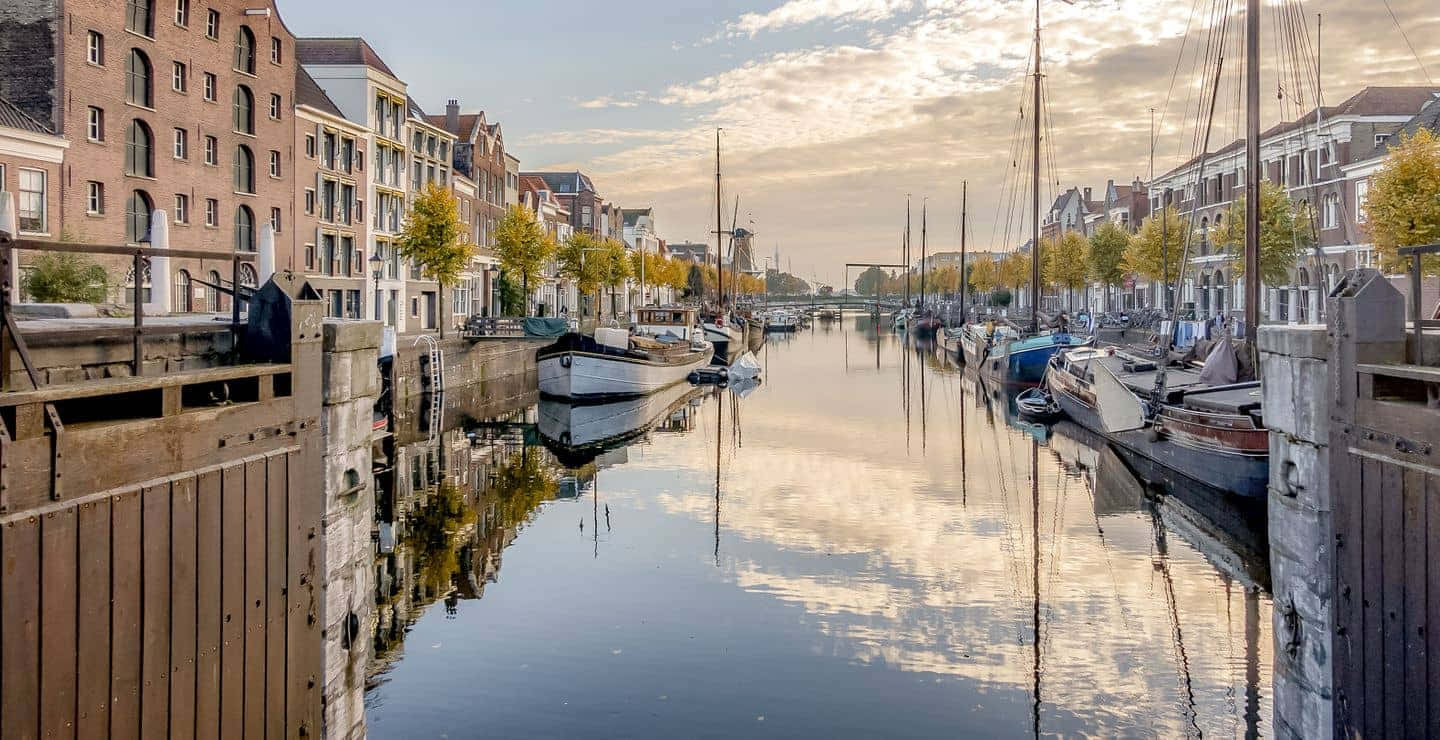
1324,160
217,115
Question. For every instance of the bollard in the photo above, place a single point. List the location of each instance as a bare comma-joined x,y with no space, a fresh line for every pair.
159,302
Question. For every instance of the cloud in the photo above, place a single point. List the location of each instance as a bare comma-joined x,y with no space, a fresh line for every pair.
606,102
801,12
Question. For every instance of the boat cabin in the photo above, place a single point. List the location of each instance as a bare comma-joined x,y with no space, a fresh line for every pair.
678,322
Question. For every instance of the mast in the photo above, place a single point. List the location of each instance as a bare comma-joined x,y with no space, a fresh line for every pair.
907,251
1252,176
1035,187
964,284
924,208
1035,569
719,232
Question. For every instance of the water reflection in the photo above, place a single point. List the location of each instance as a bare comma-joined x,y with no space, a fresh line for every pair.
863,545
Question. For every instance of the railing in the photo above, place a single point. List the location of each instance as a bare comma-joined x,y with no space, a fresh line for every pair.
11,338
1417,305
494,326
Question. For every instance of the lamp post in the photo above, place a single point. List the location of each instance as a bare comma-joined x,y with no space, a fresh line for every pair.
376,263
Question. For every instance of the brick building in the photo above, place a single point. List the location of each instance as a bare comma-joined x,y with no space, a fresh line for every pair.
30,161
178,106
577,194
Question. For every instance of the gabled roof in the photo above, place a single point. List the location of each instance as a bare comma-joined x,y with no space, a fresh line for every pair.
309,93
564,183
12,117
340,51
632,215
1427,118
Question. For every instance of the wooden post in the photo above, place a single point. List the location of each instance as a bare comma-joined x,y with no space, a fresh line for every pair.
139,340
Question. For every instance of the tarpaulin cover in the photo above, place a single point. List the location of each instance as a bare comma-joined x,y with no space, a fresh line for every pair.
542,327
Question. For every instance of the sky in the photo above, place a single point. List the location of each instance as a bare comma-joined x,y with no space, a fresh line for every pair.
834,110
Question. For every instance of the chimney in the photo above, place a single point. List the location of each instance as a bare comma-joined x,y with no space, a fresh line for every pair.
1087,195
452,116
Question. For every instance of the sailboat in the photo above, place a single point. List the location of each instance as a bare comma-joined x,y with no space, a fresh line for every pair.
925,325
1007,359
1169,421
723,334
951,338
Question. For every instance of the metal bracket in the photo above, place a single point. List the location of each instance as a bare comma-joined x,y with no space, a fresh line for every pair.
57,454
5,442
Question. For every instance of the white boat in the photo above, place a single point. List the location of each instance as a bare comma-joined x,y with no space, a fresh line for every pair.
577,427
616,364
725,336
781,321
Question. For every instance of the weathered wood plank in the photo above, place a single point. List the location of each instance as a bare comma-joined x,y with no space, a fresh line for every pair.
59,621
1393,598
208,605
1432,600
155,611
232,580
254,614
302,636
125,579
20,628
1349,667
93,689
1372,639
275,588
1416,693
183,592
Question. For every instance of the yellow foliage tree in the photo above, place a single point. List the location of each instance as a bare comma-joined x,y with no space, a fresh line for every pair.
984,275
1155,251
1014,271
1402,208
1066,262
1285,233
522,246
434,238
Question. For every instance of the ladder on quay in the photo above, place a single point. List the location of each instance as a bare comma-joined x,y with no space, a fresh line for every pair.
437,384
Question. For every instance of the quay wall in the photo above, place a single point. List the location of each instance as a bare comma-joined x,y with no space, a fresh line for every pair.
1295,369
467,363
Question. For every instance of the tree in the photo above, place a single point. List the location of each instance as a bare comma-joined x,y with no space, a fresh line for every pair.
1155,252
1285,235
522,246
984,275
870,281
1065,263
578,258
1014,271
694,282
434,238
1106,259
615,266
512,301
1402,208
60,277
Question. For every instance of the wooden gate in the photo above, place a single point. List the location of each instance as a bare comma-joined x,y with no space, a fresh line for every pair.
1385,474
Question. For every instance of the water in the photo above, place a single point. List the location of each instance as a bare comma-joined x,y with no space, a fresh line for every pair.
857,567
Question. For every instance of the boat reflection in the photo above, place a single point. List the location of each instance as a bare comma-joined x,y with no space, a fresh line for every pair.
577,433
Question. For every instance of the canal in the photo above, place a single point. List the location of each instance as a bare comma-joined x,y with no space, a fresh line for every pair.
864,545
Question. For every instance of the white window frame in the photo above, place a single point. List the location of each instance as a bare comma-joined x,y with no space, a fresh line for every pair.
212,212
95,124
212,24
275,104
180,77
209,87
44,198
182,13
1330,206
274,163
95,48
94,198
182,208
180,148
275,220
1362,195
212,151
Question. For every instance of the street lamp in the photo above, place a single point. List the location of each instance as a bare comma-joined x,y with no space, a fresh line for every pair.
375,264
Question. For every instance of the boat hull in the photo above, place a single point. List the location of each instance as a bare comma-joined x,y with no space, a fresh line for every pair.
1005,365
593,376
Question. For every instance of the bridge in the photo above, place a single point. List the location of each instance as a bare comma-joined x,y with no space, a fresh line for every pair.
835,301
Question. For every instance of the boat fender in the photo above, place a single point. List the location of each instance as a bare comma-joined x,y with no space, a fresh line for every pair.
564,360
693,377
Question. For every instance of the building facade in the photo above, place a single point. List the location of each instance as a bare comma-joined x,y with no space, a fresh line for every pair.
331,237
30,164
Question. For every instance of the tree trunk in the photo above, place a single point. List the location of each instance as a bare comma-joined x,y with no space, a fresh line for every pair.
525,294
440,307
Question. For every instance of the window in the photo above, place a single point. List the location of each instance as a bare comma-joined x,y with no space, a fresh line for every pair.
248,278
244,51
144,285
182,13
274,163
347,154
244,110
327,254
182,208
274,50
1362,194
138,17
212,212
1381,139
419,142
347,200
309,256
327,201
444,150
212,150
212,24
347,252
95,128
95,48
137,79
94,197
275,219
430,144
244,170
417,176
244,230
32,204
310,145
210,87
182,144
182,295
274,107
1332,211
137,150
213,301
137,217
414,307
179,78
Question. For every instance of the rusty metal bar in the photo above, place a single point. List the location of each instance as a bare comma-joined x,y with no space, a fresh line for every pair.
138,369
124,251
235,305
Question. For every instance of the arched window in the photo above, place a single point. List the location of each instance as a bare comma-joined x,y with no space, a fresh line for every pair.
139,148
182,295
248,278
144,284
138,89
245,51
244,232
214,300
1204,236
139,16
244,110
137,217
244,170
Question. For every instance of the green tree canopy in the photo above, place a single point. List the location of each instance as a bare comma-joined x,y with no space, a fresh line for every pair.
1155,252
61,277
1402,208
1106,259
1285,234
522,246
616,263
870,281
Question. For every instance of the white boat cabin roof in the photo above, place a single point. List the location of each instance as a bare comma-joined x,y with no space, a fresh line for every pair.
665,317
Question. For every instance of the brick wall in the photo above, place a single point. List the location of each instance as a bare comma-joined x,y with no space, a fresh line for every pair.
28,74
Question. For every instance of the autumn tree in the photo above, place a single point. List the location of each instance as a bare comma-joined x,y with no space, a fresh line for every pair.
434,238
523,246
578,258
1285,233
1065,263
870,281
1014,272
1105,262
1402,208
616,266
984,275
1155,251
